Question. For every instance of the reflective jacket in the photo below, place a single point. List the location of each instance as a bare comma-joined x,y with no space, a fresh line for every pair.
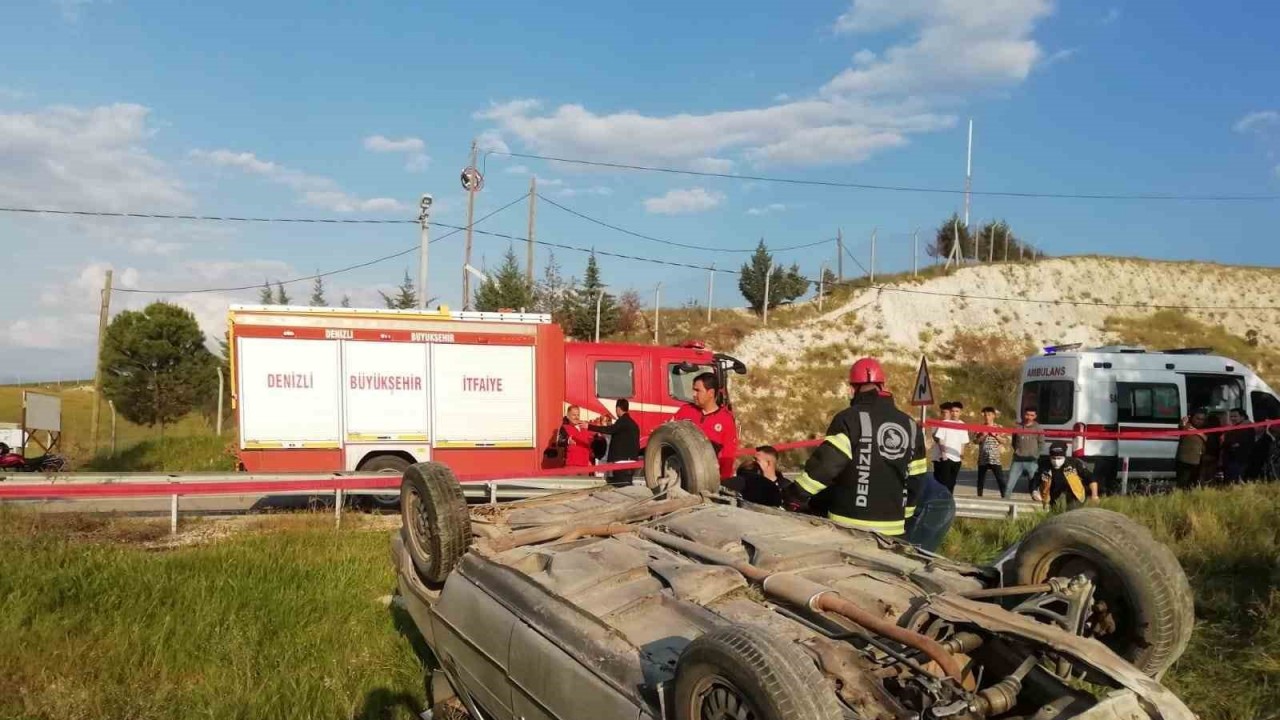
869,466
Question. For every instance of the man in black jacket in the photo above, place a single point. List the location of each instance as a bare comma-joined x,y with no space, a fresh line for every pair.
624,442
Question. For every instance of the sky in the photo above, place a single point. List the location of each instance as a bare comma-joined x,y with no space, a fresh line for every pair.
354,110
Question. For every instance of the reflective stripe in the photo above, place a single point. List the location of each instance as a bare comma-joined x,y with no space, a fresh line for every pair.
918,467
909,511
884,527
811,486
841,443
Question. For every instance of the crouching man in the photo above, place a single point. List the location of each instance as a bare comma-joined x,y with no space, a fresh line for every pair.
1065,479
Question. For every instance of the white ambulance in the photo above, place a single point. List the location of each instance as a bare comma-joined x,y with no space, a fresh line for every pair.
1118,388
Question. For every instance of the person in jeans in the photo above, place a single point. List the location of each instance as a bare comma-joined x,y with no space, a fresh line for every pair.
950,444
935,511
1026,454
1190,451
989,460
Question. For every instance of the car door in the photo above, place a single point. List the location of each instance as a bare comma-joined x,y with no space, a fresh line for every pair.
549,684
473,640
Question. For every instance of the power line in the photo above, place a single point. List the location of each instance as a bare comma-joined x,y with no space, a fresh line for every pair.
899,188
673,243
349,268
218,218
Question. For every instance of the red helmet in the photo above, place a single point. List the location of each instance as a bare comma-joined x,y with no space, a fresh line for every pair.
866,370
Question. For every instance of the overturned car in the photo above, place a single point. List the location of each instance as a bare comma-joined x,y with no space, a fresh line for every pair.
675,601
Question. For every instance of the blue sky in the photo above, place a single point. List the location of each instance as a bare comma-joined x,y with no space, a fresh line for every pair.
301,110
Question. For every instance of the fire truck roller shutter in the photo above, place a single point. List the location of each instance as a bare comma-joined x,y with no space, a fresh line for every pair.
483,396
289,394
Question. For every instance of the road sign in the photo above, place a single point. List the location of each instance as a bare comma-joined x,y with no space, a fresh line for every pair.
472,180
923,393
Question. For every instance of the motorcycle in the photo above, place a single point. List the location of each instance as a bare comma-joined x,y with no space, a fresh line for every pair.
11,461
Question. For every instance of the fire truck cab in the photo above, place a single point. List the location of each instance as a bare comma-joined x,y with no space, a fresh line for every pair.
337,389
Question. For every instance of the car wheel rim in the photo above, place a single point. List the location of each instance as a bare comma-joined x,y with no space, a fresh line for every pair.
1110,619
387,499
715,698
672,469
419,522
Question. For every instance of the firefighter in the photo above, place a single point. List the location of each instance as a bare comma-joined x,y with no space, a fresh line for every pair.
867,472
716,421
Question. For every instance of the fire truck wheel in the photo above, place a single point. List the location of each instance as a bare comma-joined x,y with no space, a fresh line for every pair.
385,464
434,513
678,453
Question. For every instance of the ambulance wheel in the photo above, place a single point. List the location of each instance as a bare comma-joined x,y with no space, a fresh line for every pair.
678,453
390,464
1142,604
434,514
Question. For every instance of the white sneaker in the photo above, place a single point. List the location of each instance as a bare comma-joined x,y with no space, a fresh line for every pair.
1035,495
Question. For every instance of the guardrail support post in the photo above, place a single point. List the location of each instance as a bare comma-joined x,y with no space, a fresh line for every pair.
1013,511
173,514
493,493
1124,476
337,508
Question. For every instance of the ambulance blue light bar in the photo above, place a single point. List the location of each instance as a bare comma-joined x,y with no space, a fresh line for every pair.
1054,349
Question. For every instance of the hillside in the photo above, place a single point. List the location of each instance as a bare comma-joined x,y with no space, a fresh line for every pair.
975,345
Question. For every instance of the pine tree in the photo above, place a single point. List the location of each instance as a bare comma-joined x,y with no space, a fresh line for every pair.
582,311
265,296
405,298
505,289
553,294
829,278
281,297
317,293
949,232
785,285
346,301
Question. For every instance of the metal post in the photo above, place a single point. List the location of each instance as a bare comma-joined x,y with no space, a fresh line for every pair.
711,279
533,215
873,256
424,243
112,403
103,311
493,492
991,248
1006,245
822,275
767,276
657,306
173,514
1022,251
915,252
955,242
1124,476
599,299
839,255
337,507
218,425
471,213
968,174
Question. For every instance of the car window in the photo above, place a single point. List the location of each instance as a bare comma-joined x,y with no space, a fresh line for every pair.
615,379
1148,403
680,382
1053,400
1215,393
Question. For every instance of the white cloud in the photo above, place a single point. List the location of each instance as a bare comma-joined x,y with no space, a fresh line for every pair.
382,144
517,170
955,45
683,201
766,209
712,165
1113,14
314,190
1258,122
411,147
491,141
86,159
950,48
600,190
1059,56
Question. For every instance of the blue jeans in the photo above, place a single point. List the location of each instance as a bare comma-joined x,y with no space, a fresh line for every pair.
1020,467
931,521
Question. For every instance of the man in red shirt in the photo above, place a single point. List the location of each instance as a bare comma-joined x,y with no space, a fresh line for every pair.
577,439
716,422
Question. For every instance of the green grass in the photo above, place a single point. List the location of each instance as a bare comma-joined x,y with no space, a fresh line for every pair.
270,624
192,453
1227,541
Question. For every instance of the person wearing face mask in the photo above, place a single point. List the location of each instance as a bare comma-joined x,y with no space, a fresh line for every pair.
1066,479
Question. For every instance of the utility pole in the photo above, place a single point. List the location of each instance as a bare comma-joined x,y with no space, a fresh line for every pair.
873,256
599,299
915,252
968,174
657,306
822,276
711,281
533,215
955,245
991,249
1006,246
839,255
103,311
471,213
768,274
424,240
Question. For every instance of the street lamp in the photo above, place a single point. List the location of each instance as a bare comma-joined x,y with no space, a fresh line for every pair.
599,299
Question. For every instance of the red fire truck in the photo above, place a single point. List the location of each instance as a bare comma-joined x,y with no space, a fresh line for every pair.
327,389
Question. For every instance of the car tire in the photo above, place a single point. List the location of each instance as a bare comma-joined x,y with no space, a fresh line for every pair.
434,513
740,671
1145,589
385,464
680,448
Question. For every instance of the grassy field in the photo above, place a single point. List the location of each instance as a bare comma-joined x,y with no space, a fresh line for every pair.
289,619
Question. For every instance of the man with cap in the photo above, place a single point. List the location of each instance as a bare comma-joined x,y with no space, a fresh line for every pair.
1066,478
867,472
